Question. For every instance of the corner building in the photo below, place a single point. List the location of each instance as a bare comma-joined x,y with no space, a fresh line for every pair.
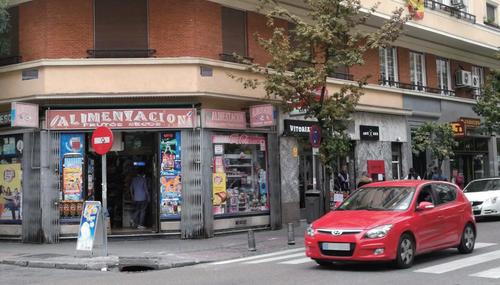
217,157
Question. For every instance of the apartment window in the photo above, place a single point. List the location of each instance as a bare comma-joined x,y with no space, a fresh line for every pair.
479,71
491,13
388,65
417,70
397,172
443,75
11,39
121,28
234,33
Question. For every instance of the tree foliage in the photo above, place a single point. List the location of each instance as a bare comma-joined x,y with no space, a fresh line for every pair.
303,57
4,28
436,138
488,105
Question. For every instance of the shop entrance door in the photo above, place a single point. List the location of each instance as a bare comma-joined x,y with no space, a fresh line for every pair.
472,166
138,158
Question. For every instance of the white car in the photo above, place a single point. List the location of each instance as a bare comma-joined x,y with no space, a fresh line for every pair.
484,195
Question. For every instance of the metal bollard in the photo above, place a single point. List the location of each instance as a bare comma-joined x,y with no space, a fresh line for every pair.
291,234
251,241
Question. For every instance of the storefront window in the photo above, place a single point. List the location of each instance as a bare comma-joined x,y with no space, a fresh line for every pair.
72,156
170,175
239,181
11,148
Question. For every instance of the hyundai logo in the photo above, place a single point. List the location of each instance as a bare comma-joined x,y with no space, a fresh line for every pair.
336,232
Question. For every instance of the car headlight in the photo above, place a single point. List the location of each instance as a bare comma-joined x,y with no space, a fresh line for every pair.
378,232
491,200
310,231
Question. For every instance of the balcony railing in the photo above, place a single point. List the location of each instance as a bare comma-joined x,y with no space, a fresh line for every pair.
120,53
232,58
414,87
10,60
341,75
453,11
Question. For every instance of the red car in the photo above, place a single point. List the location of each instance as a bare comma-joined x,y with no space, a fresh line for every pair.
393,221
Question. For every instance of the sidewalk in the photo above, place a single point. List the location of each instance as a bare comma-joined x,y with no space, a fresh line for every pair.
147,253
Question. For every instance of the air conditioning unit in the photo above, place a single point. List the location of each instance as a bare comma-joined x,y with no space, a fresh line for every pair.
475,81
463,78
458,4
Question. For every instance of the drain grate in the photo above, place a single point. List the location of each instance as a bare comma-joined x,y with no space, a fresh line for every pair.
136,268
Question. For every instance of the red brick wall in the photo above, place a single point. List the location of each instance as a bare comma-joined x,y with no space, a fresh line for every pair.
371,67
256,23
185,28
55,29
404,65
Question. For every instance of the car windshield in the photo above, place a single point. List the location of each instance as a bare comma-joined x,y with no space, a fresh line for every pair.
483,185
379,199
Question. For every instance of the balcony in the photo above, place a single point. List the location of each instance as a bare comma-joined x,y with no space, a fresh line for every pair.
414,87
233,58
341,75
10,60
120,53
453,11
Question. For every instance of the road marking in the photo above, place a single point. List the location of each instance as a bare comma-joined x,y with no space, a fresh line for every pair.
491,273
258,256
479,245
461,263
297,261
301,254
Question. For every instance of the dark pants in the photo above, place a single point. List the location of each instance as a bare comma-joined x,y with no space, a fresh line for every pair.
140,212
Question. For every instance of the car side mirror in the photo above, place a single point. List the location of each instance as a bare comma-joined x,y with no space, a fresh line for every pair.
423,206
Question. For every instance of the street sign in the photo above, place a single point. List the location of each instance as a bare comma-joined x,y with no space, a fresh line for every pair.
102,140
315,136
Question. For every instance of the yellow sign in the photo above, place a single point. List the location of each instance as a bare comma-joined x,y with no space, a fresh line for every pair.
219,193
295,152
470,122
458,129
10,191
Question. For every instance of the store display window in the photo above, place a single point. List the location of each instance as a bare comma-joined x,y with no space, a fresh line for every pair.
170,175
239,179
11,149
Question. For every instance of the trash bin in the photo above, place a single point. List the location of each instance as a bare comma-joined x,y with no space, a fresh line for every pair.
313,199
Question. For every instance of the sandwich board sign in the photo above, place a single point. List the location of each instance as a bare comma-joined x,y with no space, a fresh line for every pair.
92,230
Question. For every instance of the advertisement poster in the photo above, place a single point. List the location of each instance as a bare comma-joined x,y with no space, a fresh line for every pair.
10,191
11,146
88,225
170,175
219,188
72,152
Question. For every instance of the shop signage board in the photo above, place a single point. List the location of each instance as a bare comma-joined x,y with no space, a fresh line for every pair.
223,119
369,133
102,140
458,129
315,136
24,115
262,116
4,119
239,139
470,123
297,127
121,119
92,230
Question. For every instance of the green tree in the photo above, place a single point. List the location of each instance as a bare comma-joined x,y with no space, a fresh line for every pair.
488,105
435,138
301,58
4,28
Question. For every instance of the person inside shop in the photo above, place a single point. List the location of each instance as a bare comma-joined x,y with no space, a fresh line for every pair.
140,195
364,179
343,178
457,178
412,175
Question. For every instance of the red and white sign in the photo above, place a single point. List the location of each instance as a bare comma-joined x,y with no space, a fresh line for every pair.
240,139
102,140
121,119
262,116
222,119
24,115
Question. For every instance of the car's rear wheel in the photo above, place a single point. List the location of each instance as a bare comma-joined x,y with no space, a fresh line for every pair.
468,240
323,263
406,251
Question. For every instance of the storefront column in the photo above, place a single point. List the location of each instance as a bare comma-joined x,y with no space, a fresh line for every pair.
493,156
289,165
274,180
206,170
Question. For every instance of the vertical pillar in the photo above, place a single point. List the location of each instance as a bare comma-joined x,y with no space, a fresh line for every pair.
493,155
274,180
289,182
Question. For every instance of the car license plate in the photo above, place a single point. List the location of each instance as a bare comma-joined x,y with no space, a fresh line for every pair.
336,246
475,208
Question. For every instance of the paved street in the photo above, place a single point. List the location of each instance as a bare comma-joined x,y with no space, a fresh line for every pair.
289,266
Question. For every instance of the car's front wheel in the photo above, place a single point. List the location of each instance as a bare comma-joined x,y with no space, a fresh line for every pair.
468,240
406,251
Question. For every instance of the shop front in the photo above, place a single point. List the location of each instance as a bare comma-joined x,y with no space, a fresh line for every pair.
240,183
146,142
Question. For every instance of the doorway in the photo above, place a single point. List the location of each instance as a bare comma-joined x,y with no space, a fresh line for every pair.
136,156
